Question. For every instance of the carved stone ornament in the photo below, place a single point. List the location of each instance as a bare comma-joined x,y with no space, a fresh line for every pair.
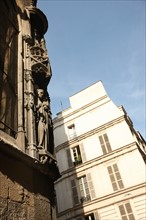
28,75
28,39
29,100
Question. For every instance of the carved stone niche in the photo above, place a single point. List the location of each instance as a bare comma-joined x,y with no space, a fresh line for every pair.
46,157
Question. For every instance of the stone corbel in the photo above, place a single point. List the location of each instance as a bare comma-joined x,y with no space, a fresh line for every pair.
46,157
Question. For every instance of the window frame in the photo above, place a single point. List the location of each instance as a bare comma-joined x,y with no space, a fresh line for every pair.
105,143
76,155
115,177
71,131
83,183
127,215
84,189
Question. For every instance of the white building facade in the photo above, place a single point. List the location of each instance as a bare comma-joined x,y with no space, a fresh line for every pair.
101,159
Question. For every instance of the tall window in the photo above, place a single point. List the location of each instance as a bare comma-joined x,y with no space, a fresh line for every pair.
104,142
74,156
115,177
90,217
84,189
126,211
72,131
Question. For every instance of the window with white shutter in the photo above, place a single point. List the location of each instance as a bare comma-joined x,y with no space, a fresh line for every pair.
91,186
105,144
89,216
126,211
84,189
115,177
76,154
83,153
96,215
72,131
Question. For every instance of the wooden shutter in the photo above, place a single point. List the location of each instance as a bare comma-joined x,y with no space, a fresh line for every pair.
129,211
112,178
102,144
115,177
96,215
83,155
91,186
69,159
107,143
74,192
126,211
118,176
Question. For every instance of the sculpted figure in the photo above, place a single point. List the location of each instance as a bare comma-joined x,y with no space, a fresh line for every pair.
43,109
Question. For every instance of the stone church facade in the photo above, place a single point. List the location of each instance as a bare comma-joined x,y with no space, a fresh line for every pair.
28,166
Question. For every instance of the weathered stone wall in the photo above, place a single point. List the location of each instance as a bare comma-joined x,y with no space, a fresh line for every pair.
27,173
25,193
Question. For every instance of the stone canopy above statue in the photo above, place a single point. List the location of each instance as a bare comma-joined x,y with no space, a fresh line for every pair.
38,20
40,64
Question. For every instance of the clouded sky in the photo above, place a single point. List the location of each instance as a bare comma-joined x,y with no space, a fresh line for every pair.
88,41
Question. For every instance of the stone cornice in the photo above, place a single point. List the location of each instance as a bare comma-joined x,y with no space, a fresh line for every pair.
8,147
104,201
105,158
62,117
89,133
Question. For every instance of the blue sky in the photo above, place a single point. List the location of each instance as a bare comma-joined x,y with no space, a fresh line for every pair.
88,41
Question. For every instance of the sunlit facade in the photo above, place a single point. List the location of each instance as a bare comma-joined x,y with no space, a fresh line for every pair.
101,158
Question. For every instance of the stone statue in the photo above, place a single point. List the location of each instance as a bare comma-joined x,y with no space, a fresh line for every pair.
43,119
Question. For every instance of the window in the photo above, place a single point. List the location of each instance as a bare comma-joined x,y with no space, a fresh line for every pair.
126,211
90,217
105,145
74,156
77,159
72,131
84,189
115,177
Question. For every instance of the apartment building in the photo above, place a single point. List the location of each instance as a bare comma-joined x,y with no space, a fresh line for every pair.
101,158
